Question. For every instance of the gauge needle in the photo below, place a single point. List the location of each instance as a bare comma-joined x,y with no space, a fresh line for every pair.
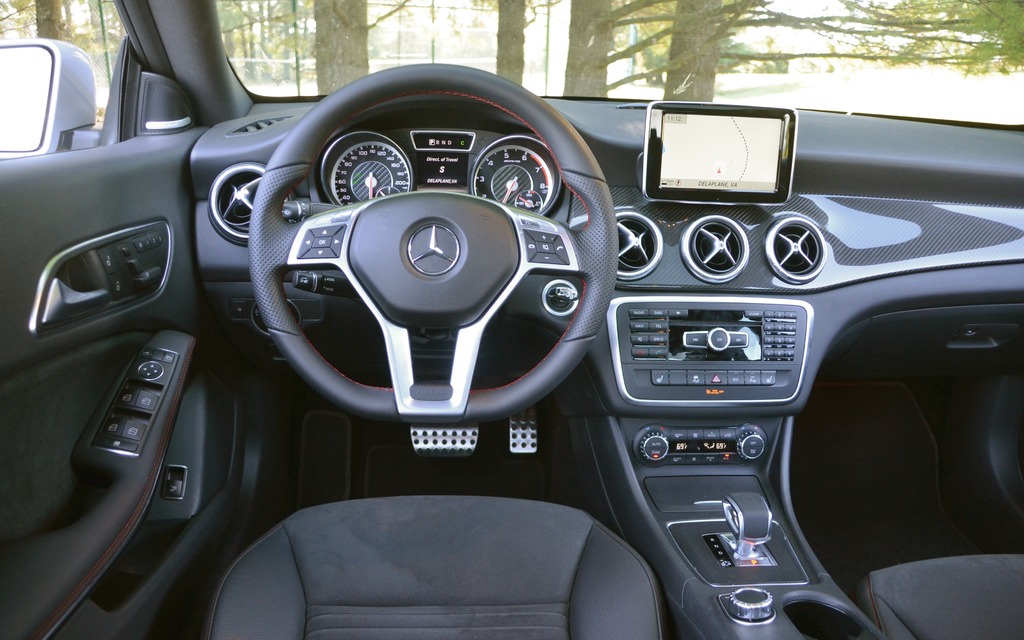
512,186
371,183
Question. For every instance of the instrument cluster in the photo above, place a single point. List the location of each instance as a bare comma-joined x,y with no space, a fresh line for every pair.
517,170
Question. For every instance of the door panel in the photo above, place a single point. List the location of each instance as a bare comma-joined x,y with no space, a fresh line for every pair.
67,509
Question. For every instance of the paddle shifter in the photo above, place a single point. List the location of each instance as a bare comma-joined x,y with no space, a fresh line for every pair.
750,521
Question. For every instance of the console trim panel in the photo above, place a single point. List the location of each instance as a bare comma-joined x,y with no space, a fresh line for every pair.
712,301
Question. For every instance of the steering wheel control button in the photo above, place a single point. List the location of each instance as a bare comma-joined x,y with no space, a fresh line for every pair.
750,605
151,370
545,248
434,250
322,242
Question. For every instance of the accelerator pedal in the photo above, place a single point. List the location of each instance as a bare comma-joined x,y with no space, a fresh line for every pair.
522,431
444,440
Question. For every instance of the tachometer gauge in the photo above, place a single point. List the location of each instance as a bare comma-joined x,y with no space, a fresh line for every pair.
517,170
362,166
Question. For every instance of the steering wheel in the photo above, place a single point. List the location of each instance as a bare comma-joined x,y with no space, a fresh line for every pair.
431,259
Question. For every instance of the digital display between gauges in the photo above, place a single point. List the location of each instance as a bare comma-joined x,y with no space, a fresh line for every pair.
517,171
362,166
441,170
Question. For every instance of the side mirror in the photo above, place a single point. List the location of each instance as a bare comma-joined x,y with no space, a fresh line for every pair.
48,89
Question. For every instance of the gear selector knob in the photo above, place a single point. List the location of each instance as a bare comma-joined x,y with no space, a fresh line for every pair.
750,521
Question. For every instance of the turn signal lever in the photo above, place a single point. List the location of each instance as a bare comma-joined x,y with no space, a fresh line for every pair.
750,521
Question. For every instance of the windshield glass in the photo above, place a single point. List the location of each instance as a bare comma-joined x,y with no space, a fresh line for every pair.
921,58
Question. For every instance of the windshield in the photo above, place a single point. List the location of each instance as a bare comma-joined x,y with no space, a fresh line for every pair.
919,58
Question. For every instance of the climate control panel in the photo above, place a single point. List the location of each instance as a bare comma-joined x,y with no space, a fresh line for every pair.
657,444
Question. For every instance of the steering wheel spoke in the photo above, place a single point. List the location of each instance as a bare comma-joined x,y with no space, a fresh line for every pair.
436,399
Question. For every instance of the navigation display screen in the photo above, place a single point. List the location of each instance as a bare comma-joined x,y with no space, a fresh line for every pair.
718,153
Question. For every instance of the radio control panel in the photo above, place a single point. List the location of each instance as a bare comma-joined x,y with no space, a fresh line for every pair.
689,350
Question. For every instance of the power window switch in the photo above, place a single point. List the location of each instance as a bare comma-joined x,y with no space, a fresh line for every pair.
112,427
128,396
173,485
133,430
146,400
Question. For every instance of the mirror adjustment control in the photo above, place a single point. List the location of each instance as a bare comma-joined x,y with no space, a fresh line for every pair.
151,370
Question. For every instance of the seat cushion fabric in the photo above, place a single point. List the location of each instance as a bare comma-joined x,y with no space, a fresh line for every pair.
433,567
948,598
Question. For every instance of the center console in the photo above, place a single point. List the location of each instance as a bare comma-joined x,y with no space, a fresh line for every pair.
695,465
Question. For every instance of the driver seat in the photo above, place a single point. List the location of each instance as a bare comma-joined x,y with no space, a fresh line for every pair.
438,567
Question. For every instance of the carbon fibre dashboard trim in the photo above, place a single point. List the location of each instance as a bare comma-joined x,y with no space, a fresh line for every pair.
867,238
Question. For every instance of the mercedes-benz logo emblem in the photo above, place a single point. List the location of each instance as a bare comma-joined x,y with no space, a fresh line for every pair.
433,249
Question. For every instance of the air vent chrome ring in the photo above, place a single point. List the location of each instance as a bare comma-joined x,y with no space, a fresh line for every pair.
231,198
640,245
715,249
796,249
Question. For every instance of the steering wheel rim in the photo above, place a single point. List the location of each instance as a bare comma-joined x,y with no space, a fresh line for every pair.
273,243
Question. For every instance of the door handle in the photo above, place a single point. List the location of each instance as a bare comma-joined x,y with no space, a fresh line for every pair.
63,302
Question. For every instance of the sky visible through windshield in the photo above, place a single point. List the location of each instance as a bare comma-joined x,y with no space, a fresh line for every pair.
853,56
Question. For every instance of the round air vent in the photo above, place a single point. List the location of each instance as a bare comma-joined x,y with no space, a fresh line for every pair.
640,245
231,198
715,249
796,249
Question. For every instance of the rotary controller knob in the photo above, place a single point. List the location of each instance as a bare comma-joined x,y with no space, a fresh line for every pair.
751,443
654,447
750,605
718,339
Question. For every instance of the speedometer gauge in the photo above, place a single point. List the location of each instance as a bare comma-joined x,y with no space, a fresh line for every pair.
362,166
517,171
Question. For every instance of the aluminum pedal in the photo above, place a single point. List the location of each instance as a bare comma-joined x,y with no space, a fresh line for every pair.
444,440
522,431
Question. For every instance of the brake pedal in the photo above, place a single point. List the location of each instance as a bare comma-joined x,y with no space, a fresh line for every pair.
444,440
522,431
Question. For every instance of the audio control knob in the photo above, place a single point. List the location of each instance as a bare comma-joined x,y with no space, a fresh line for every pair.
654,447
751,443
718,339
750,605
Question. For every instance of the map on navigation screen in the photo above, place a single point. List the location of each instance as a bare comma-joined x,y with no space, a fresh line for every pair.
720,152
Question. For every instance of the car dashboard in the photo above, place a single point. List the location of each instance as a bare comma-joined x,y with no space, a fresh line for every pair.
898,253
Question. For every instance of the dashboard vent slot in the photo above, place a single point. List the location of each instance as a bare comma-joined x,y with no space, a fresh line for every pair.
715,249
640,245
231,198
259,125
796,249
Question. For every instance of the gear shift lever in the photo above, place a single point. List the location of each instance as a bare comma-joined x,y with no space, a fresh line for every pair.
750,521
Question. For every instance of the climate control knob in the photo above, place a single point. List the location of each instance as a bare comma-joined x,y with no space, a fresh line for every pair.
654,447
751,444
